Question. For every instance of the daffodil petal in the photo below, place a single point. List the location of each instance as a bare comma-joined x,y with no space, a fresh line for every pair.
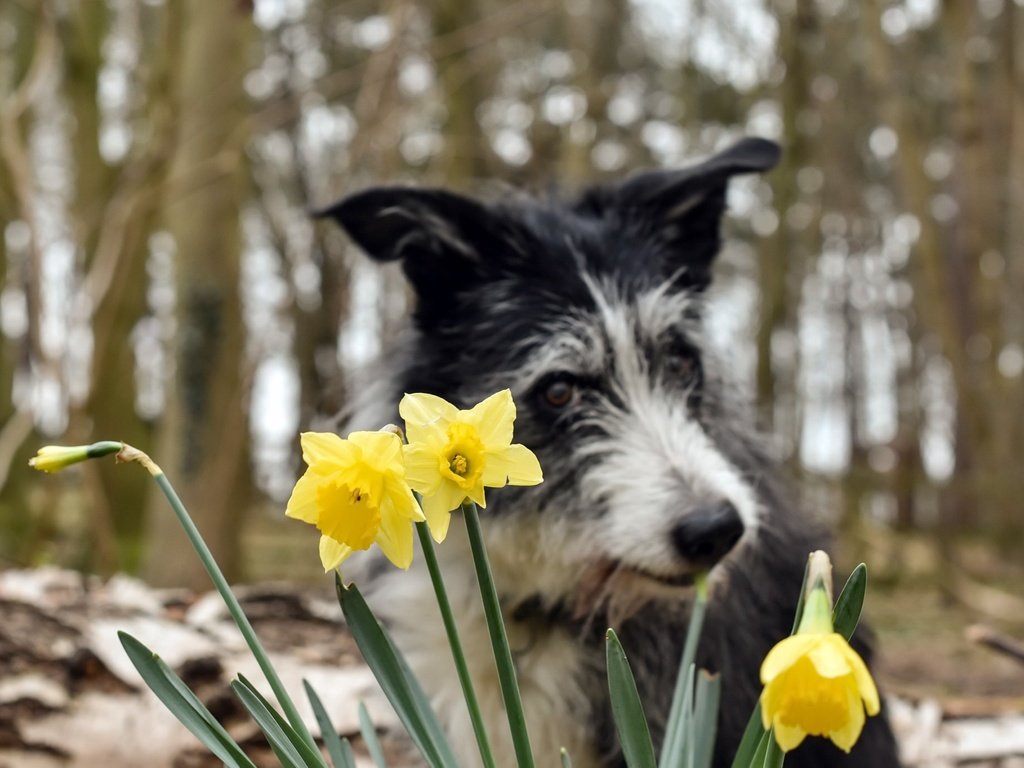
476,495
437,524
829,656
847,736
785,654
399,498
395,540
422,469
492,418
382,449
789,737
771,700
325,447
515,465
426,417
865,683
332,553
438,508
302,503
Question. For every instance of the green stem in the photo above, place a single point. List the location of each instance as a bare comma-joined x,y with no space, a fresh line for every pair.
103,448
499,639
456,645
241,620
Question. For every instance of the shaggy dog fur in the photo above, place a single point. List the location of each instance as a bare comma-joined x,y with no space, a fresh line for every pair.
591,312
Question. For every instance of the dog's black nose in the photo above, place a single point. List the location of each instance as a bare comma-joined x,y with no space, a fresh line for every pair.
707,534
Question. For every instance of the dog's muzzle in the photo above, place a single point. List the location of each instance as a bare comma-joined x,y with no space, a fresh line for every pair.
707,534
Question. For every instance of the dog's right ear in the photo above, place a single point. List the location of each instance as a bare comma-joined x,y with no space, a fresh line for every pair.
439,236
683,207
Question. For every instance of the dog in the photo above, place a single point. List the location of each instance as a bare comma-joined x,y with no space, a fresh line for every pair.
590,311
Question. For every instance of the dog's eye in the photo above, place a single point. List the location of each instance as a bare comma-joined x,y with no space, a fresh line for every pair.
559,393
681,363
679,366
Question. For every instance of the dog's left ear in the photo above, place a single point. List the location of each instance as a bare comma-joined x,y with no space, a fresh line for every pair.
441,238
684,207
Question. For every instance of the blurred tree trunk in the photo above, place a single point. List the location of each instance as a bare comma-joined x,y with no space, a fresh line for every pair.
780,261
974,301
117,284
203,442
463,80
1010,409
26,65
936,293
82,31
596,37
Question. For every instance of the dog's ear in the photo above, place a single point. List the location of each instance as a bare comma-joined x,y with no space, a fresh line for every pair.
683,208
439,236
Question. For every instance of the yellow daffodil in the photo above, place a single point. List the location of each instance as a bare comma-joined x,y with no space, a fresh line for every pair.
815,683
354,491
452,454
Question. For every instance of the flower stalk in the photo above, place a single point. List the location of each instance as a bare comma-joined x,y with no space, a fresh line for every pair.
224,589
499,639
459,656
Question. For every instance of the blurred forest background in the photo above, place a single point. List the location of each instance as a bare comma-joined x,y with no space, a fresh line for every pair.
163,284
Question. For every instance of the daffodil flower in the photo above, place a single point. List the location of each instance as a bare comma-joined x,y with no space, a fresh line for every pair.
453,455
815,683
354,492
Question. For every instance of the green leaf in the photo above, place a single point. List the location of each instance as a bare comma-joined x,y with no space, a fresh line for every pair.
627,709
369,732
680,723
395,678
183,704
566,760
753,736
685,748
850,603
423,705
310,755
757,759
705,718
773,755
272,725
349,760
328,733
679,716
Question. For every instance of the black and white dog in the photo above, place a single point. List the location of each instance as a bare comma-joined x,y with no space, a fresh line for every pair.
590,311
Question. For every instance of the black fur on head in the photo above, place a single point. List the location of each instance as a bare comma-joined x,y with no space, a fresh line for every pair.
667,221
